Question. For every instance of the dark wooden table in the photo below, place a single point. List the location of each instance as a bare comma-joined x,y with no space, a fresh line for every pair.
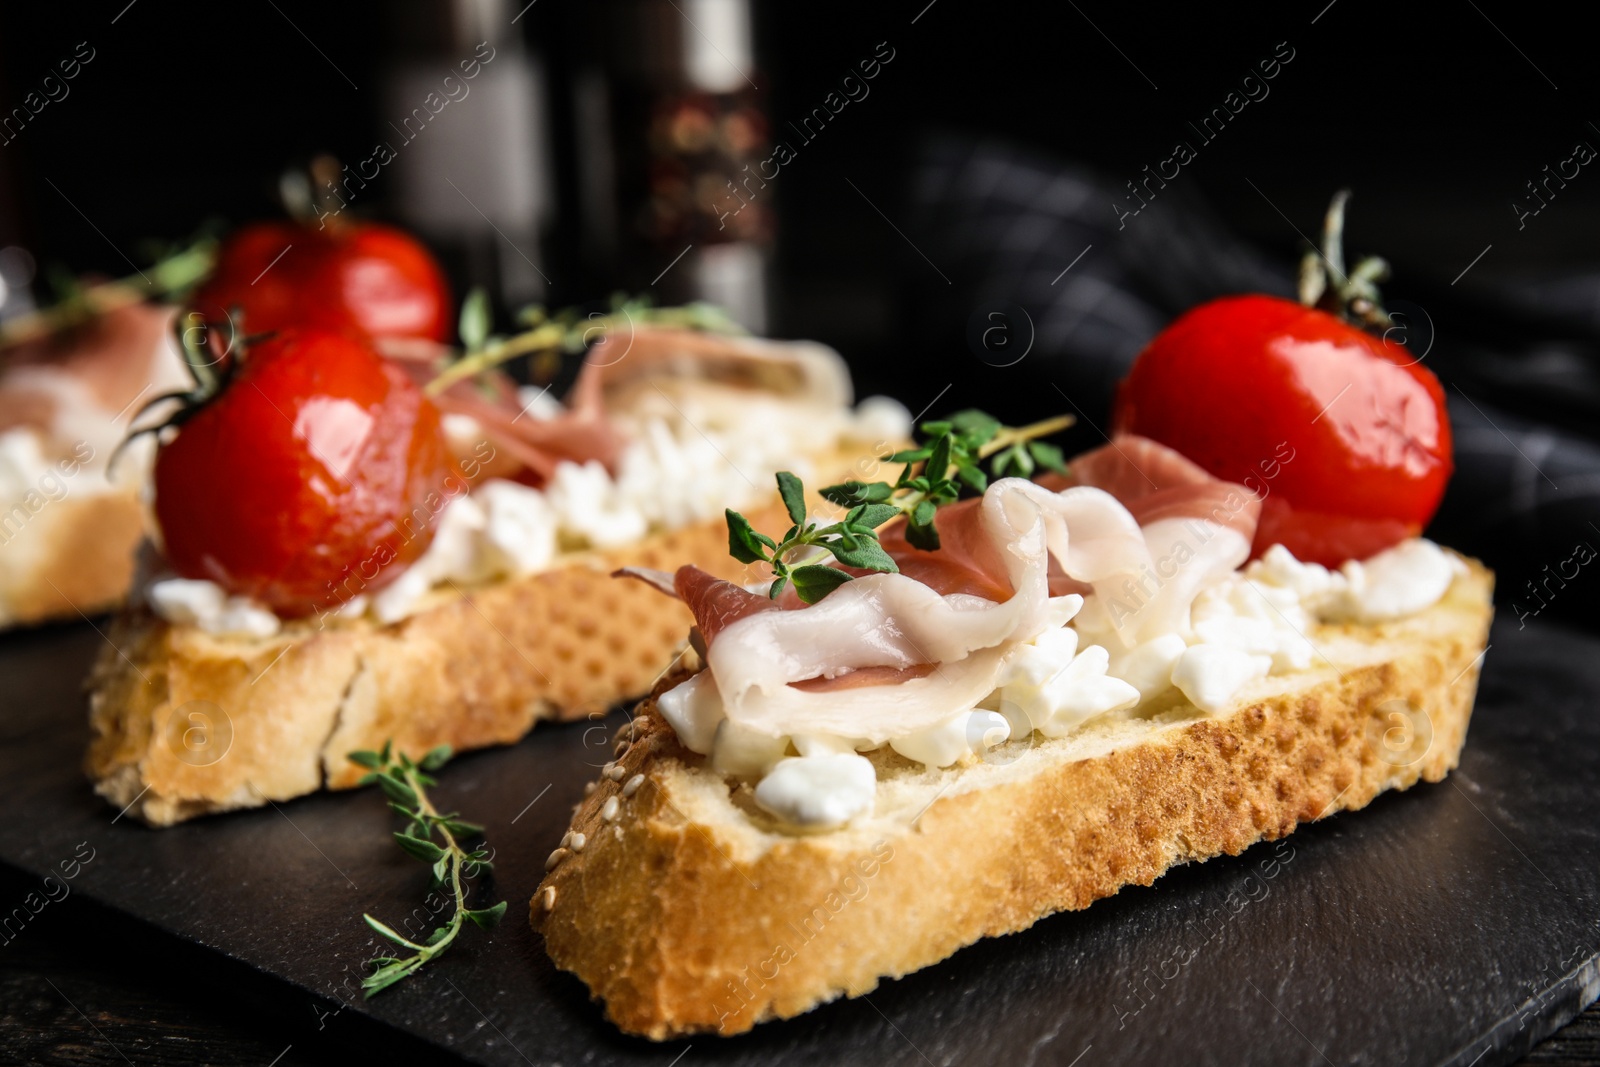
80,985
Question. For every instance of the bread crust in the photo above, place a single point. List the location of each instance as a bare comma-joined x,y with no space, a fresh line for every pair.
684,914
74,556
185,723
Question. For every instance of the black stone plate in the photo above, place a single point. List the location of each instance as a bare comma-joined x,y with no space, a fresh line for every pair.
1457,923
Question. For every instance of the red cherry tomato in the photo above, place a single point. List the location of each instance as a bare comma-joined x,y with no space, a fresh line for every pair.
316,474
1343,432
358,276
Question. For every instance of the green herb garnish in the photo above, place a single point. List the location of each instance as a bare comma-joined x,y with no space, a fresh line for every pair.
946,465
435,839
175,270
547,335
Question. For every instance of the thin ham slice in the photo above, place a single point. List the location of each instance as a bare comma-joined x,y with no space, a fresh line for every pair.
1152,481
539,444
966,560
1195,526
803,371
114,359
865,676
717,603
614,373
533,444
889,653
1156,483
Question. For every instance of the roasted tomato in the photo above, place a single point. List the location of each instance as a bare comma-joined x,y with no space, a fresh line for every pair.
1343,432
353,276
316,473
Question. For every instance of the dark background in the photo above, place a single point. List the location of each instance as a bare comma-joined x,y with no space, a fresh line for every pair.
1436,115
1435,119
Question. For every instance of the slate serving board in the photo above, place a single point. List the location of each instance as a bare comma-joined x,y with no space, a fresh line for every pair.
1458,923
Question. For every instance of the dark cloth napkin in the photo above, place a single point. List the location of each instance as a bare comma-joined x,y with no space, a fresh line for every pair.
1030,256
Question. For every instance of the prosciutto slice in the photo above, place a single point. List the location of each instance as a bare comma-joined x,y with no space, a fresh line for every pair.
716,603
887,654
966,561
937,652
90,374
616,372
1196,528
1156,483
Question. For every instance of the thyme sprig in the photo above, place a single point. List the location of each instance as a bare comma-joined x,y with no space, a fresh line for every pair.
852,540
175,271
569,331
945,466
436,839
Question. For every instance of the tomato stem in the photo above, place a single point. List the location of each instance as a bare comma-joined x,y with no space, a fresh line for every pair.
208,369
1324,283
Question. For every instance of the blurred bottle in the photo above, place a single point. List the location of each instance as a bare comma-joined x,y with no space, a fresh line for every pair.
16,265
467,136
16,276
670,130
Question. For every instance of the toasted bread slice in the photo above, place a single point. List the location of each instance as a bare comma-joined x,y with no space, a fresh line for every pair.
67,558
685,909
185,723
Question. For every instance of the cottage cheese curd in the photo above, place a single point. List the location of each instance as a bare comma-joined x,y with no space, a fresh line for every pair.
688,459
1242,627
197,602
